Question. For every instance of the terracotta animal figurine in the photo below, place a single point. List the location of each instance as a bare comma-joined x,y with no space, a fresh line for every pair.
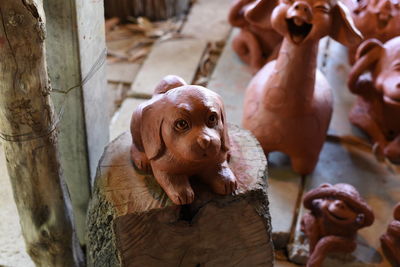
288,103
181,132
337,212
379,19
390,241
256,42
377,110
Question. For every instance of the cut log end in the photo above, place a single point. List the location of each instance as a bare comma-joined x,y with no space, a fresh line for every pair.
133,223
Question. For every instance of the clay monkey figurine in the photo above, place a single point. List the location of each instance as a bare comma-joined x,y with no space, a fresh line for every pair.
390,241
337,212
256,42
181,132
377,110
379,19
288,103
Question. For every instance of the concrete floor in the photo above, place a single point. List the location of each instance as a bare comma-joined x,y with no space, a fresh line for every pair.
12,246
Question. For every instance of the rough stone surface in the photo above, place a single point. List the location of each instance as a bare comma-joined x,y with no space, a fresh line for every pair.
180,57
207,20
230,79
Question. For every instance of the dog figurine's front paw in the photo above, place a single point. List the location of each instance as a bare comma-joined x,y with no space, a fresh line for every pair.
223,181
182,197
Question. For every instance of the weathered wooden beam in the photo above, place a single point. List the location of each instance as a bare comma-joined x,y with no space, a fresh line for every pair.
29,132
75,55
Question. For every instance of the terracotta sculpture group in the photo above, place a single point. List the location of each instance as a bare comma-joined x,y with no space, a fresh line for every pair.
179,133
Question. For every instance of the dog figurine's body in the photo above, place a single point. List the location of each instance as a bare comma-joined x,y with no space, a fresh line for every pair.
377,110
179,133
256,42
288,103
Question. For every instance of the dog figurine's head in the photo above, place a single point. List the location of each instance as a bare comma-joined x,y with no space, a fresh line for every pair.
185,122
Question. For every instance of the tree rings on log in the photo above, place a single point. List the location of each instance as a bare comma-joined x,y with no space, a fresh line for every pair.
132,222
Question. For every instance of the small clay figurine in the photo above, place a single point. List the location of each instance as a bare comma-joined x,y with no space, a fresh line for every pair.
336,214
256,42
377,110
379,19
390,241
288,103
181,132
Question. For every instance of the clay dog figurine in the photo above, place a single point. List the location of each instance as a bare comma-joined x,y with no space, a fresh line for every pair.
336,214
390,241
181,132
288,103
256,42
379,19
377,110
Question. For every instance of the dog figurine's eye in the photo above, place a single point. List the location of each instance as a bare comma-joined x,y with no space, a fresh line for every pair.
212,120
181,125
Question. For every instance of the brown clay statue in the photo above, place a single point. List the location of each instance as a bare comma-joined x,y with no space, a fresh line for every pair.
256,42
181,132
390,241
288,103
379,19
337,212
377,110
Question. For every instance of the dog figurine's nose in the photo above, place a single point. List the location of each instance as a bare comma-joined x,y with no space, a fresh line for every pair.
204,141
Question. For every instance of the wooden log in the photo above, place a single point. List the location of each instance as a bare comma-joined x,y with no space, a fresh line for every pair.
152,9
131,221
28,127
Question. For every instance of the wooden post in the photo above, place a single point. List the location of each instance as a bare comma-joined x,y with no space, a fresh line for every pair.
29,132
75,55
152,9
132,222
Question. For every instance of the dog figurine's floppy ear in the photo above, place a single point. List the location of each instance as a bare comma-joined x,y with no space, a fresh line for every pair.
146,128
169,82
343,29
225,145
148,118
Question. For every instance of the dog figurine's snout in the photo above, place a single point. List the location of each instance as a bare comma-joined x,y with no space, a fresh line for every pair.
204,141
